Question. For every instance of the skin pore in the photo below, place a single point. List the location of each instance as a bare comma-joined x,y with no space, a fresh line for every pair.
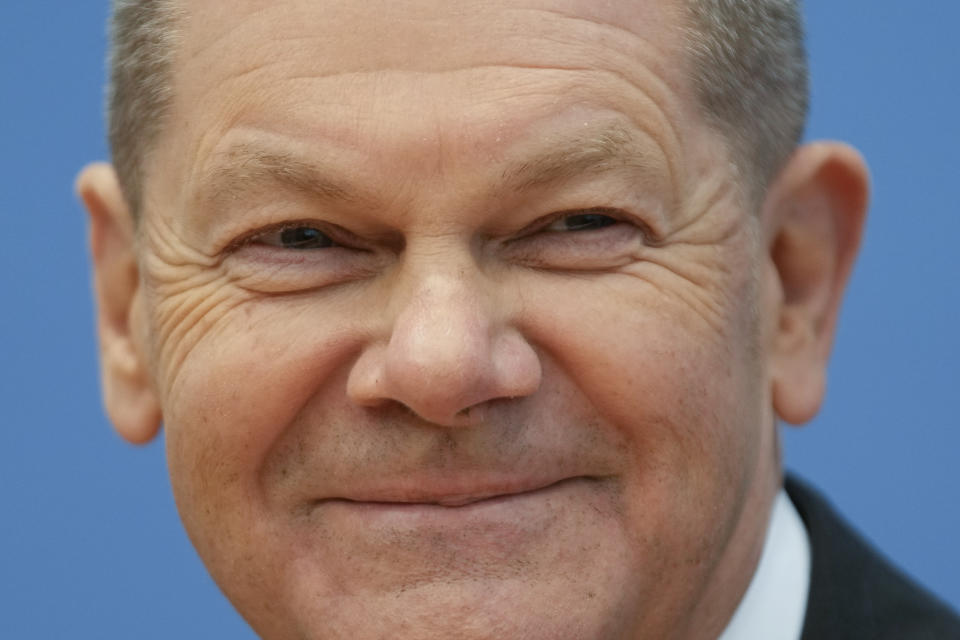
458,323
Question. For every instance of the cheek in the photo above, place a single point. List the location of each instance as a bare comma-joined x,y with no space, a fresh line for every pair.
642,355
237,389
685,394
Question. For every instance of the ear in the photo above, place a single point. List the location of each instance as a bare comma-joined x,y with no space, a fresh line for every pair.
812,220
128,394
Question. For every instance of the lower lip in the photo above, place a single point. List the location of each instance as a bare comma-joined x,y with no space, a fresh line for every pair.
499,519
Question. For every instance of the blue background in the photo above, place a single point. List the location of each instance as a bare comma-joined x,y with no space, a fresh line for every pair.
91,544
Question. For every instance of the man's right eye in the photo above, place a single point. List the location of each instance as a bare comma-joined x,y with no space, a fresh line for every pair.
299,237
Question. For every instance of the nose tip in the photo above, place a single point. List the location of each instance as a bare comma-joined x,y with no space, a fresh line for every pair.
446,360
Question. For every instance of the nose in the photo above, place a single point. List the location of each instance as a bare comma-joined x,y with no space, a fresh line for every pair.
449,351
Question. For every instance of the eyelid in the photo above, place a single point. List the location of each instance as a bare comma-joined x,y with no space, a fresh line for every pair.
542,224
561,225
338,235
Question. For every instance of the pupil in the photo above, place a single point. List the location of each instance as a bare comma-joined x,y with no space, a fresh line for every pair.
588,221
304,238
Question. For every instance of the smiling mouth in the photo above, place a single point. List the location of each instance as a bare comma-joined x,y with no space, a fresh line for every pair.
502,518
457,500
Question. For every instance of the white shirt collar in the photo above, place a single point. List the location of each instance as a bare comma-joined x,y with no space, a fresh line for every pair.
775,603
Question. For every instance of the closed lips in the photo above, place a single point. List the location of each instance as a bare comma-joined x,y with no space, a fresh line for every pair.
453,498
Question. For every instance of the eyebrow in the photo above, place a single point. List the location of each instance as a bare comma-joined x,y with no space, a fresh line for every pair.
246,168
610,148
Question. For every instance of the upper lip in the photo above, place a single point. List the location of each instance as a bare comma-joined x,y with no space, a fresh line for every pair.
450,494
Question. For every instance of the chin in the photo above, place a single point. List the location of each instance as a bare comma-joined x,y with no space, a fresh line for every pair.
565,608
447,580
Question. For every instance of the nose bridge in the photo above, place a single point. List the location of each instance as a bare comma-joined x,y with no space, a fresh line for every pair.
450,344
443,325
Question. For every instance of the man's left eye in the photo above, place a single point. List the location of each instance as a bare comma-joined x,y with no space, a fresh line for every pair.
296,237
582,222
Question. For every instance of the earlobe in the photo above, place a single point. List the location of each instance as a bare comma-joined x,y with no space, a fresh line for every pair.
812,220
128,393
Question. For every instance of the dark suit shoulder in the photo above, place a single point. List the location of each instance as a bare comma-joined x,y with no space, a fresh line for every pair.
854,591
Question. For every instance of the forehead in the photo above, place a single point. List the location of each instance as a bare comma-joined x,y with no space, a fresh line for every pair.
376,76
253,43
370,35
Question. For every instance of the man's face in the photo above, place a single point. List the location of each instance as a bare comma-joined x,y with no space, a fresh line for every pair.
456,321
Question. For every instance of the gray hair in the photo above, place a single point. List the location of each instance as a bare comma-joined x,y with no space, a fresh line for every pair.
749,70
143,35
750,74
